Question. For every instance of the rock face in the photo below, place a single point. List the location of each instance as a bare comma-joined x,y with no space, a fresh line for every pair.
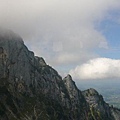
32,90
99,109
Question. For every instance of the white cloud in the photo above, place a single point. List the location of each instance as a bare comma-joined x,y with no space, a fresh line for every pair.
99,68
62,31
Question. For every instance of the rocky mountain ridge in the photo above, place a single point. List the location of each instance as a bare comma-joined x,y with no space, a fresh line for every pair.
32,90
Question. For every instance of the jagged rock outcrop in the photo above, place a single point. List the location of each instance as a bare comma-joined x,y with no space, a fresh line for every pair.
99,109
78,102
32,90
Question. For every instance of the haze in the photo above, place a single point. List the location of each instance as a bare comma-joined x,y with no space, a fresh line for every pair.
76,37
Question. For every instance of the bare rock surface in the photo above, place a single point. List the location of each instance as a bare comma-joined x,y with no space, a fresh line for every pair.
32,90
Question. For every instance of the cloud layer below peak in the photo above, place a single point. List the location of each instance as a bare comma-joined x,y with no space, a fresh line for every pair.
99,68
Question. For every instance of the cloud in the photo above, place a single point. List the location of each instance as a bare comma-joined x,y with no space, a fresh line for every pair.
62,31
99,68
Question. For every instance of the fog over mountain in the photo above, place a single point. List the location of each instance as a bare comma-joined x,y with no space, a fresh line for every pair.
68,31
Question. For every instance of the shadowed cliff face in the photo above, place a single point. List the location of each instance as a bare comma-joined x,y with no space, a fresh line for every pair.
32,90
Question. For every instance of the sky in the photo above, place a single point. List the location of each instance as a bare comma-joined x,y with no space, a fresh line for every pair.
79,37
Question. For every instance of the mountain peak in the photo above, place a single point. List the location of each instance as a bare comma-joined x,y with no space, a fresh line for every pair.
41,61
90,92
69,83
68,77
6,34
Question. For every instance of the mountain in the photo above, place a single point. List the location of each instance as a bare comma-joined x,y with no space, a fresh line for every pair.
32,90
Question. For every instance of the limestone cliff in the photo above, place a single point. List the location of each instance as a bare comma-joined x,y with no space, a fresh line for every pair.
32,90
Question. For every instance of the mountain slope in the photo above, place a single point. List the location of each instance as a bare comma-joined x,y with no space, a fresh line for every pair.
32,90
